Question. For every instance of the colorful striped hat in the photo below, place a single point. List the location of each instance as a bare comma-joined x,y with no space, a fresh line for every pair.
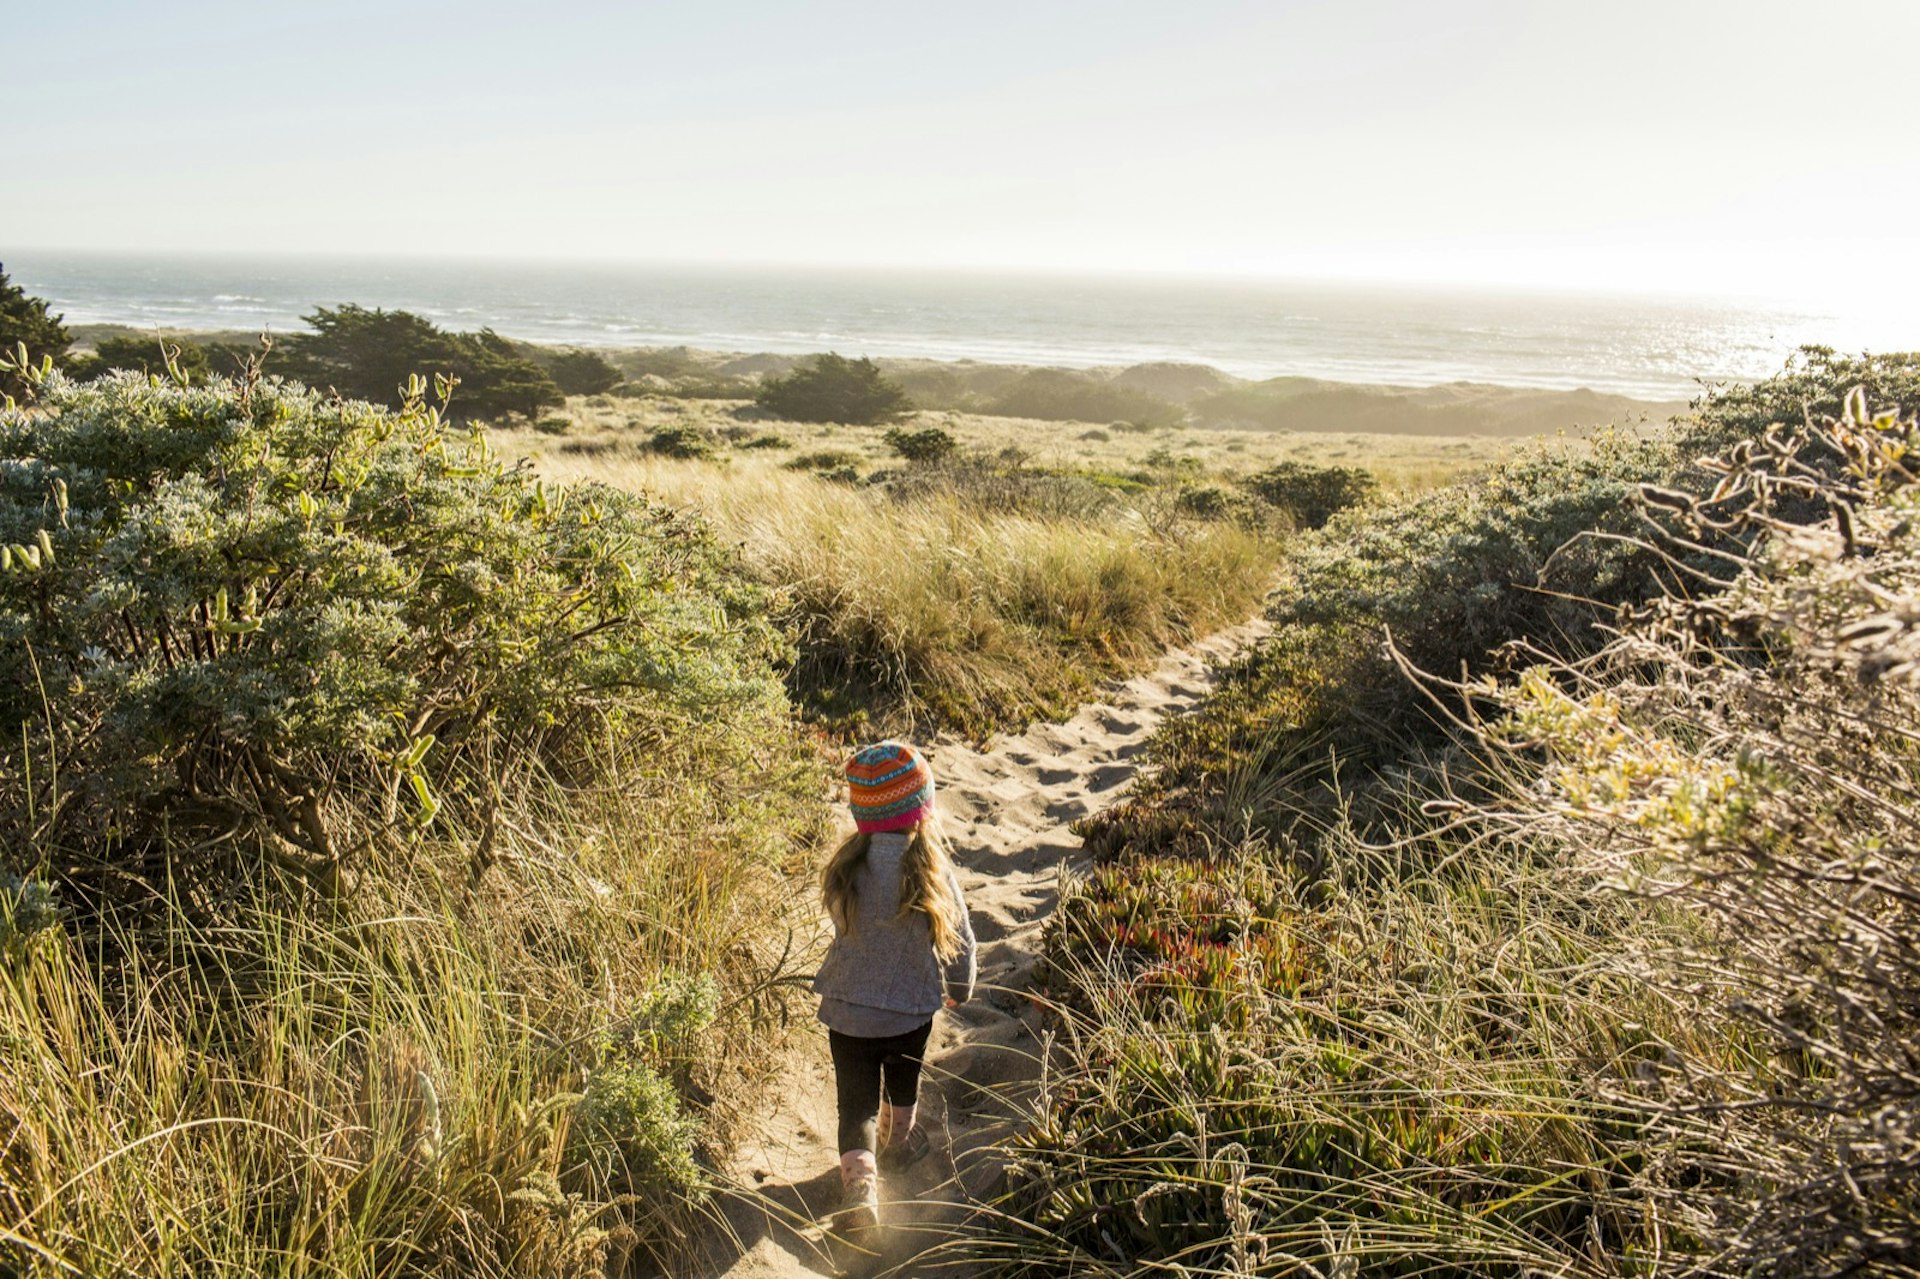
888,786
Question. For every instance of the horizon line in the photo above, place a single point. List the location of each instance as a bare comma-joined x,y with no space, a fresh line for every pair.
1250,276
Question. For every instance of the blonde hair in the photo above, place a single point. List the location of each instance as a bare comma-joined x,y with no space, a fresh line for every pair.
923,884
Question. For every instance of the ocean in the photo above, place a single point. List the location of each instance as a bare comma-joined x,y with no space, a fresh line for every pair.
1653,348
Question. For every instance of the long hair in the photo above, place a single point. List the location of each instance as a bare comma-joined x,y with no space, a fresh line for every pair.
923,884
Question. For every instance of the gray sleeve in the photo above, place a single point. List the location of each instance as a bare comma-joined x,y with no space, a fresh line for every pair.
961,968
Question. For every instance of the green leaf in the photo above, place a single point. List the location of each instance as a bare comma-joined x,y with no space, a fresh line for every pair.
417,753
428,804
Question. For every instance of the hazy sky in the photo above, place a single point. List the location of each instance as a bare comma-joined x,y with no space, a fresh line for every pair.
1724,145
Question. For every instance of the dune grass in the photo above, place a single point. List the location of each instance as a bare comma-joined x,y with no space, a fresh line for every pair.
939,610
1379,1070
614,427
395,1085
1589,953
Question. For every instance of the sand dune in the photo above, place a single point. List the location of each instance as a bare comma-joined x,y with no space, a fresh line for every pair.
1007,809
1154,393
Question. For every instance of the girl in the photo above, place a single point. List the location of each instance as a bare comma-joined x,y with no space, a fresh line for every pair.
902,941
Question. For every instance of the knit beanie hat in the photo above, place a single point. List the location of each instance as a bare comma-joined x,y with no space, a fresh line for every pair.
888,786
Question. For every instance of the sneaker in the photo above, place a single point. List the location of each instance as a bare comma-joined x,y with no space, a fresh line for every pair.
903,1155
860,1207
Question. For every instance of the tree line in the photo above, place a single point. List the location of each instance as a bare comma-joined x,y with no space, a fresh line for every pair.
369,354
359,352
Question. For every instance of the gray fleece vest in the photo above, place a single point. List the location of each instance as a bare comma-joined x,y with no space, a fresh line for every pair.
887,961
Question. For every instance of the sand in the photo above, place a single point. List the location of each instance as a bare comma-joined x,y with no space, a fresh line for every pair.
1007,810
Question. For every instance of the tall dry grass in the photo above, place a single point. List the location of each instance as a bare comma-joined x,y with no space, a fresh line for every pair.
395,1086
937,609
1387,1068
1403,463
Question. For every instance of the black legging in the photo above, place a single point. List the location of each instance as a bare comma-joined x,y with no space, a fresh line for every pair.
860,1065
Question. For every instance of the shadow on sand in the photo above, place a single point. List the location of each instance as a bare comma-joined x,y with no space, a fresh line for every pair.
794,1216
773,1228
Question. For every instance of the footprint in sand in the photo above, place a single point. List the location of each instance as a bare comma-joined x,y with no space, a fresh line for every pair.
1011,791
1069,810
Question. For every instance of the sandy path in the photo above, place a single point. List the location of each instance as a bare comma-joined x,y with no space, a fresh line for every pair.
1006,810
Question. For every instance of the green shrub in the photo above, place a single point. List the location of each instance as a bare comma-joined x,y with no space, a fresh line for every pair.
929,445
628,1127
769,441
249,621
1312,495
1744,756
666,1024
1451,576
824,460
1213,502
1539,554
542,733
1813,386
27,910
579,372
26,322
832,388
680,441
149,355
372,355
1165,459
1527,552
1209,501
